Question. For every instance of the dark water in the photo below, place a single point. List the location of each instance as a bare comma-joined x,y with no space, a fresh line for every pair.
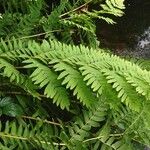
131,34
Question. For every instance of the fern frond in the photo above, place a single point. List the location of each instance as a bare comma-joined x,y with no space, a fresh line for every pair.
144,64
110,141
8,58
25,137
74,81
97,61
91,75
45,77
66,59
50,23
82,126
113,7
124,89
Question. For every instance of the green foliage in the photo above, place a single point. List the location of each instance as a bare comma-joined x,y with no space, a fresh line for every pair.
113,93
16,135
74,21
8,107
94,100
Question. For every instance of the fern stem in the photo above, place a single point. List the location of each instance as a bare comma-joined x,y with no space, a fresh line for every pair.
20,93
99,137
39,34
28,94
35,35
38,119
134,122
13,136
27,139
4,84
138,141
76,9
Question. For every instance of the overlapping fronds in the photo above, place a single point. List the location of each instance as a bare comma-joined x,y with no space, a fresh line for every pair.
16,135
110,87
94,100
73,19
80,65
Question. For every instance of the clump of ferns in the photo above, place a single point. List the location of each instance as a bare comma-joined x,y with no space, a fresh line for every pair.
111,92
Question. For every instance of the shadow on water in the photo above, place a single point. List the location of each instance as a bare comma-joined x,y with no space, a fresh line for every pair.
131,34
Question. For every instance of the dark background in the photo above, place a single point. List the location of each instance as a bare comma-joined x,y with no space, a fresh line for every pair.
124,34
